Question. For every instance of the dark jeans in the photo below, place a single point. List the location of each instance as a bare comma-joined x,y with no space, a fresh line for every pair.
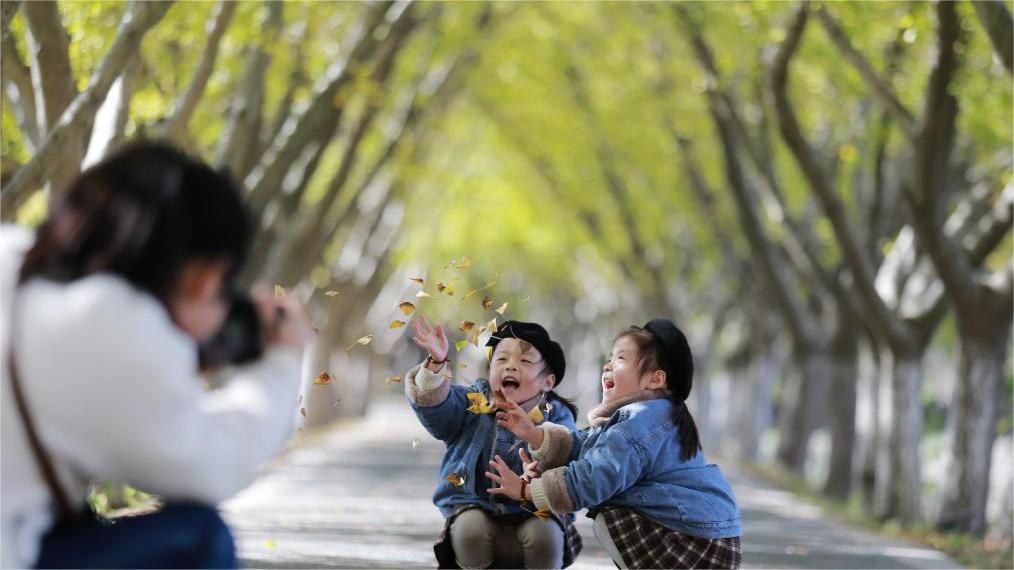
178,536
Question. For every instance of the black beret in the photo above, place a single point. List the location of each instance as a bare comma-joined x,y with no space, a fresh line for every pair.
536,336
674,357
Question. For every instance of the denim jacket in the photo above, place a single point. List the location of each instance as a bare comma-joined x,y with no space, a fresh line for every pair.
633,461
469,438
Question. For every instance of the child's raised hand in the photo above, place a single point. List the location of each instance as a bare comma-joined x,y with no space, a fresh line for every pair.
514,418
531,466
431,339
510,483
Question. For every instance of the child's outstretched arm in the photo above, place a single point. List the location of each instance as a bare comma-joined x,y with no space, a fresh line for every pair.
552,445
440,408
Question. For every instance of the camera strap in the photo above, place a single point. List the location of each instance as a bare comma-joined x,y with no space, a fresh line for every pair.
64,511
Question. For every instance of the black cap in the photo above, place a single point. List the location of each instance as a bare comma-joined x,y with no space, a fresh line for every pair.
536,336
675,357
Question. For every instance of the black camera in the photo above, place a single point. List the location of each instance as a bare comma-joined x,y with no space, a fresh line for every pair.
240,339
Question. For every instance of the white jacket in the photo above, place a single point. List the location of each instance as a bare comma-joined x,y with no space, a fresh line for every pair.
112,386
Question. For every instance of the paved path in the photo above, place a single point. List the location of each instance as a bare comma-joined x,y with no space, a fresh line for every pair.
358,496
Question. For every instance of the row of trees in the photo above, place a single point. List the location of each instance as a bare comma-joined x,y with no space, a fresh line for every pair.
821,194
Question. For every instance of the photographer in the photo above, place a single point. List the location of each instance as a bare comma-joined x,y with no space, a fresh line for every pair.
103,312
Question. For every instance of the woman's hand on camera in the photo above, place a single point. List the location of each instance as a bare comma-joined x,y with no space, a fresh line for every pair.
287,324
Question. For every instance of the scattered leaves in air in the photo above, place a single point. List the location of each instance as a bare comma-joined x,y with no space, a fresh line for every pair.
491,325
466,326
487,302
270,544
549,407
456,264
407,308
396,324
279,291
332,294
469,294
302,412
363,341
502,308
422,294
536,415
415,442
479,403
474,337
458,480
389,379
418,280
463,365
460,344
322,378
446,289
542,514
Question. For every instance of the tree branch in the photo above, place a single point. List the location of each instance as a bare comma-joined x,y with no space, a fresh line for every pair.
19,91
241,140
881,90
49,47
221,16
265,179
996,19
859,265
77,118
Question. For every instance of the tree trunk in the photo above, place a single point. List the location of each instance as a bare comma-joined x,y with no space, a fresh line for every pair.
972,428
898,488
842,408
871,374
804,399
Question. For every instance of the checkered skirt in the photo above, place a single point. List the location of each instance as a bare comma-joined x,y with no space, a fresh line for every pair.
643,543
444,551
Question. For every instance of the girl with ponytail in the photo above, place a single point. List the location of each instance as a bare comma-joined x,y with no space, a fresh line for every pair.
639,467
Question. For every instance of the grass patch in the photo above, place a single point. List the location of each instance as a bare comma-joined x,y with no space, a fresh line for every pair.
971,551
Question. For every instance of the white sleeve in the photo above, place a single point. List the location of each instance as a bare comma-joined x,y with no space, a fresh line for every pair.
115,394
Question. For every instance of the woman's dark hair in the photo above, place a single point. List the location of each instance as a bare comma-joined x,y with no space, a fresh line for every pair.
567,402
651,357
143,214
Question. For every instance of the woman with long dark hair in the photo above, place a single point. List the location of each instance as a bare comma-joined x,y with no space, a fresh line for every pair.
103,312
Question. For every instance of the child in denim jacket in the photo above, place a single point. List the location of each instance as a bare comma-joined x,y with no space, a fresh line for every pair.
482,529
656,502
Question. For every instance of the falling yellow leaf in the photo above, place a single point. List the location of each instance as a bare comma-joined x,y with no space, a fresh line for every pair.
458,480
479,403
502,309
396,324
270,544
279,291
363,341
491,325
536,415
422,294
389,379
418,280
469,294
466,326
463,365
487,302
332,294
474,337
460,344
415,442
302,412
407,308
542,514
322,378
